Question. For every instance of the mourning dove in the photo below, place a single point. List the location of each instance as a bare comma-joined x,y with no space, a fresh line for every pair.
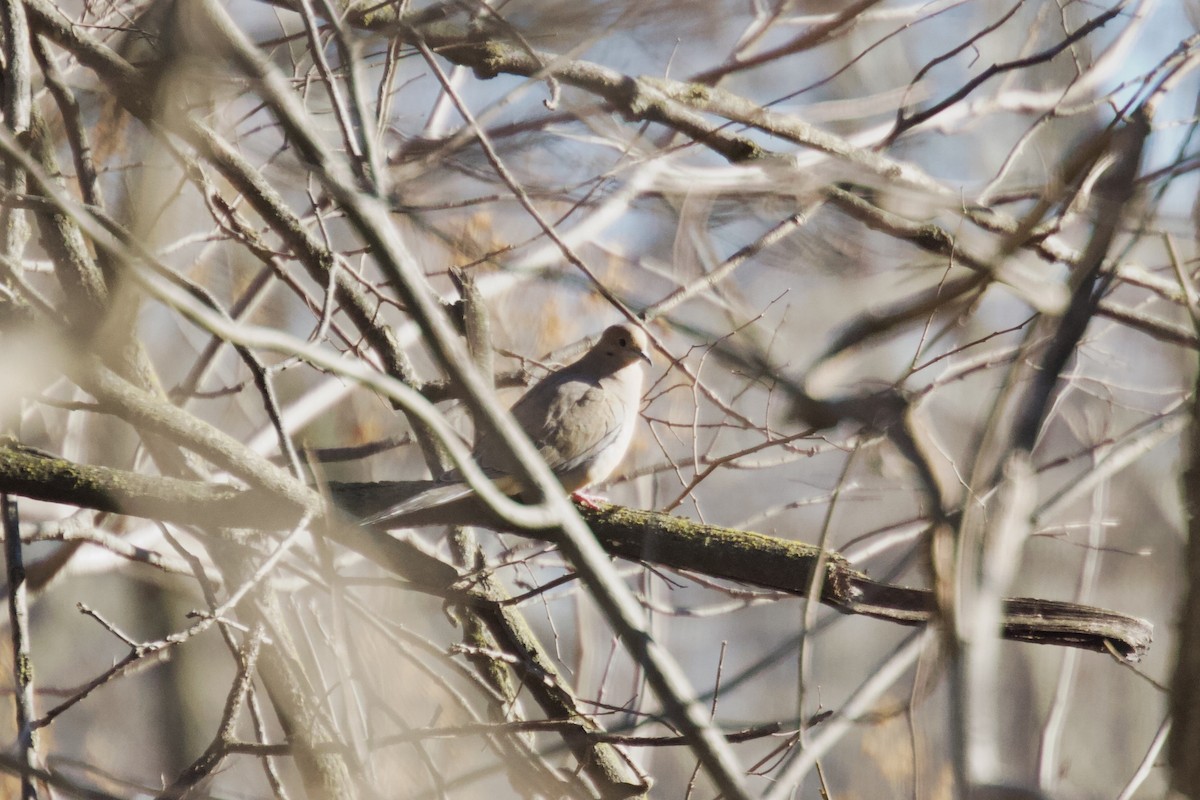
581,419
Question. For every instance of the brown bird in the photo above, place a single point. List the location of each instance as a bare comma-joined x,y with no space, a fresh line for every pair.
580,418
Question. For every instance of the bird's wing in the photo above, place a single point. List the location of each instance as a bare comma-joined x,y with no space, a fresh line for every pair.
571,420
546,413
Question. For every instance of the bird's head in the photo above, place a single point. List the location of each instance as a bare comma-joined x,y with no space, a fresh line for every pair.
622,345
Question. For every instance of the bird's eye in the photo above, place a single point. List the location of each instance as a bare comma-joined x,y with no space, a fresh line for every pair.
622,342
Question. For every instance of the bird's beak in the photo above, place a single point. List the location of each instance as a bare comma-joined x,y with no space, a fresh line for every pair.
645,357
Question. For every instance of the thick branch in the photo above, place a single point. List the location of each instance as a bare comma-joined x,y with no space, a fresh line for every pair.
674,542
661,539
772,563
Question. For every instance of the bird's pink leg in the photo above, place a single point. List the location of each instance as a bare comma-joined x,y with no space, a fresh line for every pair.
589,501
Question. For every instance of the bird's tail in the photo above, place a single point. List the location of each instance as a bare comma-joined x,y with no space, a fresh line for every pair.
430,498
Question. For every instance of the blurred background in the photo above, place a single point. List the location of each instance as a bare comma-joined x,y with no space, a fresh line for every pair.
800,199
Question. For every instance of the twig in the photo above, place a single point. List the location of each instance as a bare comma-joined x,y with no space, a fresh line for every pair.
18,615
210,760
